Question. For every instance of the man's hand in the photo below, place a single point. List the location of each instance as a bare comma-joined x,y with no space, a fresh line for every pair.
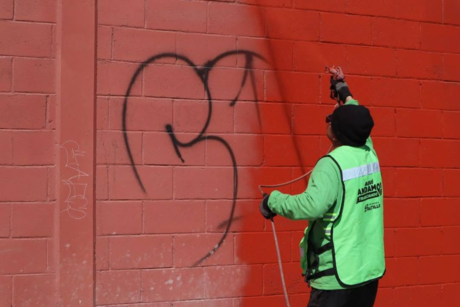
340,89
265,210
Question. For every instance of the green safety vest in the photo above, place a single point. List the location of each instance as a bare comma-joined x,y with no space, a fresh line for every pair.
354,224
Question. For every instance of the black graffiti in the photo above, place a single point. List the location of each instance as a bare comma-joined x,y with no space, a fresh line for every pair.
203,74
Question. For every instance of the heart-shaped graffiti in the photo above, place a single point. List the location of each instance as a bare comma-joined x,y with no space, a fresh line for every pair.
202,72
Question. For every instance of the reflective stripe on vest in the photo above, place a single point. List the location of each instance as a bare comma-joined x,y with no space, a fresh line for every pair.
360,171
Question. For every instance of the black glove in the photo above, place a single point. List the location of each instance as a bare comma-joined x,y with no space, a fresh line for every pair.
265,210
339,90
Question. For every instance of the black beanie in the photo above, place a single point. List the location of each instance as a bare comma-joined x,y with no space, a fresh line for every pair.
352,124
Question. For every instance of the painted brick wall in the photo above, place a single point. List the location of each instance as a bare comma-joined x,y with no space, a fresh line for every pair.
165,62
27,152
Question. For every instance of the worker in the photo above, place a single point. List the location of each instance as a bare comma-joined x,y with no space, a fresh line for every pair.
342,251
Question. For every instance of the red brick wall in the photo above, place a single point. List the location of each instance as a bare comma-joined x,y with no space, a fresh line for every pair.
401,59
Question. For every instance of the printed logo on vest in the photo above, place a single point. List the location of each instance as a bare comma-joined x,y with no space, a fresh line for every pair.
369,191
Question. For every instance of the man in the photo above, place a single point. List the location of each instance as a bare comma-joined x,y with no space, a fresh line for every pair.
342,252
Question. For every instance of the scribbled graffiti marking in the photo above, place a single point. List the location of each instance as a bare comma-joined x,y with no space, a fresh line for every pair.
76,202
202,72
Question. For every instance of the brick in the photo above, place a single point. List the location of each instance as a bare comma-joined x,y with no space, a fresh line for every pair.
451,65
51,112
34,290
291,151
118,287
32,220
102,253
247,150
173,82
7,9
361,60
359,29
119,218
193,250
291,87
277,3
309,119
227,84
22,256
159,150
139,45
361,88
263,118
402,212
450,182
172,284
419,123
437,95
247,281
451,12
140,252
384,121
312,57
389,181
6,74
418,182
121,13
272,300
104,42
398,93
176,15
287,224
123,184
114,79
5,217
43,10
102,187
418,296
450,294
389,242
440,212
428,10
203,48
235,19
440,153
33,148
192,115
293,279
246,216
293,24
206,303
111,147
378,8
385,297
6,154
416,64
6,290
208,183
249,178
396,33
440,38
408,153
260,248
102,113
188,216
400,272
144,114
439,269
22,111
418,242
25,39
321,5
450,240
277,54
23,184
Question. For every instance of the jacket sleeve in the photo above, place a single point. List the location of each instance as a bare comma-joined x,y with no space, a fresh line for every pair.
320,195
